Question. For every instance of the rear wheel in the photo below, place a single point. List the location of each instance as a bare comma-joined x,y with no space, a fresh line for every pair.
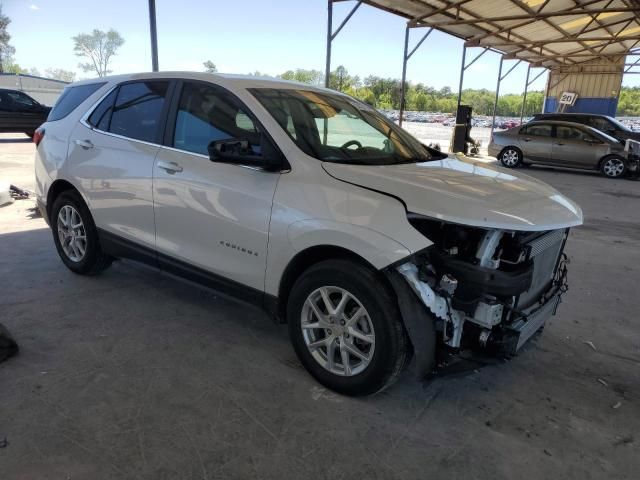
75,235
346,329
613,167
511,157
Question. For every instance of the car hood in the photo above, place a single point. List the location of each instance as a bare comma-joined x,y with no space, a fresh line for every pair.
460,190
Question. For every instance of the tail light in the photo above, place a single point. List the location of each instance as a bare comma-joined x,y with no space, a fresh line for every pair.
38,135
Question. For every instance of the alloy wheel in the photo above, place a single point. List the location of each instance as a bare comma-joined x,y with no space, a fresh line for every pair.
71,233
510,158
613,167
338,331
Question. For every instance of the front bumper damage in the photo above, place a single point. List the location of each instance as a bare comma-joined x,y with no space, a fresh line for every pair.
492,304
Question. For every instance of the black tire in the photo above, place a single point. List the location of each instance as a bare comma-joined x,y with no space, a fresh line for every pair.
392,347
94,260
613,166
510,157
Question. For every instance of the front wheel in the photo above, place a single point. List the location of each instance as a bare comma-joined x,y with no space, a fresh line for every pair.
511,157
613,167
346,329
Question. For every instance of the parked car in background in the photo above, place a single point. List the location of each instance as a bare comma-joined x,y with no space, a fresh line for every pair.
604,123
19,113
310,204
562,144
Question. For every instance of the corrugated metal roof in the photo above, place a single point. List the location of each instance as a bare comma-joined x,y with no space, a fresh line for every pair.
549,33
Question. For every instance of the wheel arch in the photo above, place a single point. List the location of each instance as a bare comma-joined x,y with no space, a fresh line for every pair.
515,147
611,155
308,257
57,187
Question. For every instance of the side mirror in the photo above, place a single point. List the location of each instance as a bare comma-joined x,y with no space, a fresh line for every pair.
238,151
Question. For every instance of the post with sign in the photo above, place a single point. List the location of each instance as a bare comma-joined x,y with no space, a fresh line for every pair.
567,98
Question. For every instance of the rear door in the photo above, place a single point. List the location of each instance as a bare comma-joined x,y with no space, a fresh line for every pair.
535,142
111,155
576,147
209,215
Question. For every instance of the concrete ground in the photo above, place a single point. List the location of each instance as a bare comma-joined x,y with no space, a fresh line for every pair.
135,375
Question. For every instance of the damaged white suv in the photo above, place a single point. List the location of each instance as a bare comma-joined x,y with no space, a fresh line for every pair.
373,247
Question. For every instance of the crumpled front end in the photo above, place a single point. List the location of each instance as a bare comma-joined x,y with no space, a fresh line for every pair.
486,288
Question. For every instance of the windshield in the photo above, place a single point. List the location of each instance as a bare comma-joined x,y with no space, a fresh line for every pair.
337,128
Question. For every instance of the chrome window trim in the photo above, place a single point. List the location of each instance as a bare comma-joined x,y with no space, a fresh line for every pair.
84,121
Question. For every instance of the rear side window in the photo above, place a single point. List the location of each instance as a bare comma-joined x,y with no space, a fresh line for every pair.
101,116
138,110
543,130
70,99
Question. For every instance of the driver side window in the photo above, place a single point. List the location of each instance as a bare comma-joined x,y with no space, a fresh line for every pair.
207,114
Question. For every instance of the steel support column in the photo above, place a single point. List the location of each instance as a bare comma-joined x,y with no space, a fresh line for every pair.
464,67
331,35
495,103
524,98
500,78
154,35
526,89
407,55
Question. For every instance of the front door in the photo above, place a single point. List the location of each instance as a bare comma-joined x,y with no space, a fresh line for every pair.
211,217
112,157
575,147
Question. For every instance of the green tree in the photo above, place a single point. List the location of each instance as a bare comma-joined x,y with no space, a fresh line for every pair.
340,79
97,47
6,50
209,67
312,77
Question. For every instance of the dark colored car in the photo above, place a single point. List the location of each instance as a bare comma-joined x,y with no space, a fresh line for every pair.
20,113
604,123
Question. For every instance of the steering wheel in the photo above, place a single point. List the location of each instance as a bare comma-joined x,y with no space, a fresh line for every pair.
352,142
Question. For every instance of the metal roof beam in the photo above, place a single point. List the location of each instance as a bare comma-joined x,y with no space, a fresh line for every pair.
539,16
490,22
534,44
557,28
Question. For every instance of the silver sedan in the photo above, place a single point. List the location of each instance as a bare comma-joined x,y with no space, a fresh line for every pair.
561,144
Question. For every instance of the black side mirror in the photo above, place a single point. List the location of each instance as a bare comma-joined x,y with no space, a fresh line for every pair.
238,151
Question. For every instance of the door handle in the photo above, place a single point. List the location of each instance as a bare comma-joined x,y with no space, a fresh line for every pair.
526,139
169,167
86,144
559,143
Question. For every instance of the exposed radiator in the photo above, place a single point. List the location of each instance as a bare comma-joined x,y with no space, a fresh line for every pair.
545,253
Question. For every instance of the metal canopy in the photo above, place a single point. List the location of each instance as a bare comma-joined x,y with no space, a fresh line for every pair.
547,33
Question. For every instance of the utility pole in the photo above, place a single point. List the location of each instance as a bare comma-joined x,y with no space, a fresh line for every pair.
154,35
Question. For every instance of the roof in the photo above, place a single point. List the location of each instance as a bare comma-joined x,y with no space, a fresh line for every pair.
241,81
547,33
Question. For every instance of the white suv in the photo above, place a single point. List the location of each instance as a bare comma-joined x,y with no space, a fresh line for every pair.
309,203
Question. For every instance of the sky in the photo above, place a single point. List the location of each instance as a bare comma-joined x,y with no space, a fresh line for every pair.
242,36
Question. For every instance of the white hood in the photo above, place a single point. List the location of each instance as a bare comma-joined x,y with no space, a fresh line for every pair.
462,191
